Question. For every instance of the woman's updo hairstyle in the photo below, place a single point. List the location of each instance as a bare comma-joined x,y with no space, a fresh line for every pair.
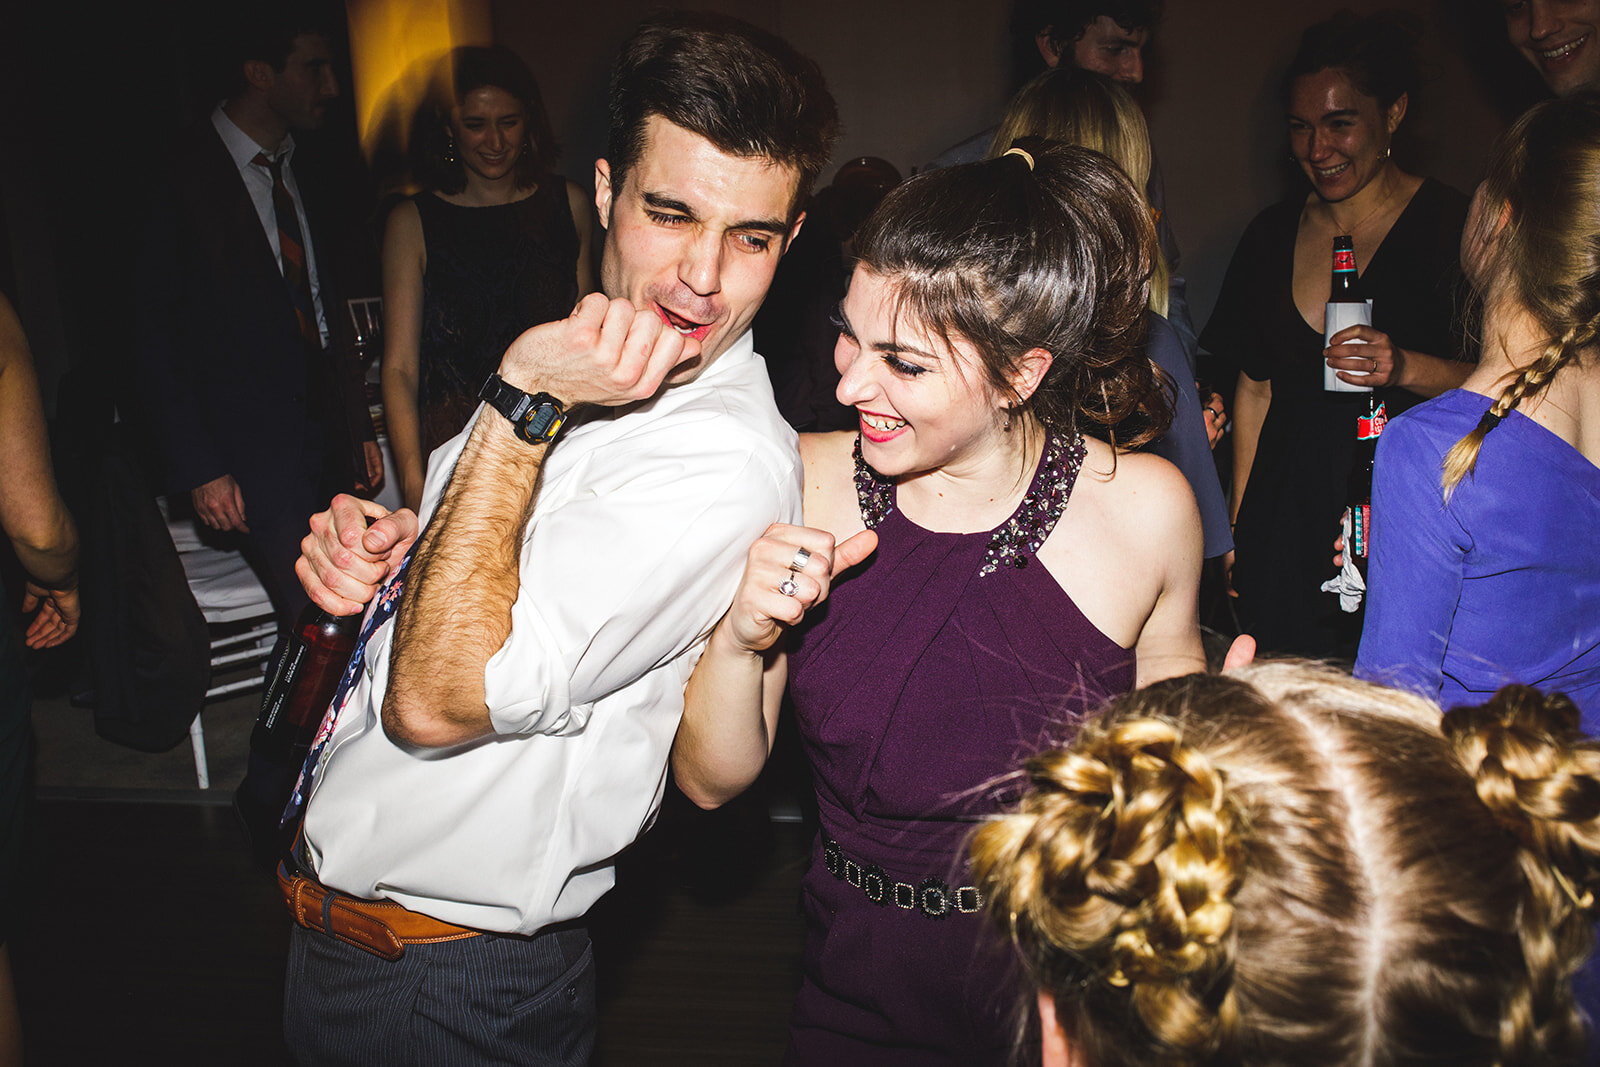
1050,247
1544,174
435,163
1285,865
1377,52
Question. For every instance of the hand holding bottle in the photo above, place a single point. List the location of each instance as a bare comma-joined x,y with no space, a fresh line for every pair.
1364,356
351,549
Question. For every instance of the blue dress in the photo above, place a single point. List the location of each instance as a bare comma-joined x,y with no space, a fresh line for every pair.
1502,584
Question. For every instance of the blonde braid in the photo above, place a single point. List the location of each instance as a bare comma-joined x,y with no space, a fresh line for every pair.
1462,459
1540,778
1119,873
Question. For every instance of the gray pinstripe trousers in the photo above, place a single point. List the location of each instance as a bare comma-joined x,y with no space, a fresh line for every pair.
479,1000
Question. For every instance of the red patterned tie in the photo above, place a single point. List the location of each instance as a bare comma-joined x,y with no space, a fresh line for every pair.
292,250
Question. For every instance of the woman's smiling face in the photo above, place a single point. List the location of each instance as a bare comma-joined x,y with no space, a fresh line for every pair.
1338,135
924,404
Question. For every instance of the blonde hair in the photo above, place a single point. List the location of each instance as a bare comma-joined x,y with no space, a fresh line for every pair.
1285,865
1545,175
1080,107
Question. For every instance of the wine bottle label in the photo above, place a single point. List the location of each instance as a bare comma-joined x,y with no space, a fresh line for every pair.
283,683
1360,530
1370,426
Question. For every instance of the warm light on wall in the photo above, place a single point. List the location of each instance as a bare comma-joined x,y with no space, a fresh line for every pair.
393,46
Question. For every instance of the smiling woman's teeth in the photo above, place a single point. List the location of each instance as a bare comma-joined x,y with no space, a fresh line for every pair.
1565,50
881,424
1331,171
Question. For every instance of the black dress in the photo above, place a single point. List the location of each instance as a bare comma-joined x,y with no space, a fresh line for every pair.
1296,493
492,273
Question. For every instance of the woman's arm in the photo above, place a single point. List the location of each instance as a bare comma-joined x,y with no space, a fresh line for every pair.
404,259
31,509
583,221
731,703
1251,399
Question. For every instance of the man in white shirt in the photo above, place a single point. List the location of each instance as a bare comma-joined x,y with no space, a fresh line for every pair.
508,732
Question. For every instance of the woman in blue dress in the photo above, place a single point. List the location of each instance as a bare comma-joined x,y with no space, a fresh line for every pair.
1486,500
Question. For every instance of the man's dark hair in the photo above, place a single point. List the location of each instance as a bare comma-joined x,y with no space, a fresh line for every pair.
1066,21
266,30
746,91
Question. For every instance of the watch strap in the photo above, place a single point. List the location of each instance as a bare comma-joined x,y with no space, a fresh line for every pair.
535,417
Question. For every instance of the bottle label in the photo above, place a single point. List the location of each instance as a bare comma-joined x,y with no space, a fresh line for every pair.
1360,530
1344,261
1370,426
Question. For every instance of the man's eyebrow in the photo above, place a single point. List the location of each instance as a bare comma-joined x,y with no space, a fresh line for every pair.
662,202
1342,113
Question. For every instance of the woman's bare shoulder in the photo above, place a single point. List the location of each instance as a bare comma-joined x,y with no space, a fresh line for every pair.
830,494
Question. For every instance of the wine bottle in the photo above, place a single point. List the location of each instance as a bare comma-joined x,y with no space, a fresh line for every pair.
303,684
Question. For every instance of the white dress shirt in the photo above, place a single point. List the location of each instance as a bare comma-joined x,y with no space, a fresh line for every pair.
637,541
258,182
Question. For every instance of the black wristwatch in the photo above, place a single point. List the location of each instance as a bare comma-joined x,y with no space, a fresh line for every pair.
536,417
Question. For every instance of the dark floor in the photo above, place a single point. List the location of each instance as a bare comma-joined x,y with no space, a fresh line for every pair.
147,936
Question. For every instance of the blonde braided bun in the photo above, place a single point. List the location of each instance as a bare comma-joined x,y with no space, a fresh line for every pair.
1284,865
1540,777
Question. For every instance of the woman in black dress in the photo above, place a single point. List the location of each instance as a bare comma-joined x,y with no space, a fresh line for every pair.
495,243
1346,94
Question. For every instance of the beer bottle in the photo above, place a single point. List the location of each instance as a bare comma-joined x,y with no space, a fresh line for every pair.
1346,307
1358,496
303,684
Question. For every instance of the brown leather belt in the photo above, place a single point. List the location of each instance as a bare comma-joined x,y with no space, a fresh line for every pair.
381,927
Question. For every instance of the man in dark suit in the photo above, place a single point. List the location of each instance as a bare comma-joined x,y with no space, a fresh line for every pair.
239,379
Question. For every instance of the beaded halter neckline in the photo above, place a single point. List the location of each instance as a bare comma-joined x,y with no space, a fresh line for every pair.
1020,536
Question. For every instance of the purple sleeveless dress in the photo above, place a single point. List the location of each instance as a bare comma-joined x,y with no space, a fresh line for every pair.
929,674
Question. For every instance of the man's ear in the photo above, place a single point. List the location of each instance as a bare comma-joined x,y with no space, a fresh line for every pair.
1049,50
602,191
259,74
1031,369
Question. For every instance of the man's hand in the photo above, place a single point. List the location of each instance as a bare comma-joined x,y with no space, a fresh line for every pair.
219,504
56,618
343,560
605,353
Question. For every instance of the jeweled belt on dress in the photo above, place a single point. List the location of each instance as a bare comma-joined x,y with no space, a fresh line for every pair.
933,897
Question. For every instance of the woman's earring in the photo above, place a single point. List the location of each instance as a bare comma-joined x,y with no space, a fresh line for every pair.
1387,152
449,148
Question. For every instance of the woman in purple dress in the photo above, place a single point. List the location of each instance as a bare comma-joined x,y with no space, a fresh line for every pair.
1486,501
992,570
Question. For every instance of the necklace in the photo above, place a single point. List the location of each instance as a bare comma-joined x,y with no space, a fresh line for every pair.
1383,202
1019,537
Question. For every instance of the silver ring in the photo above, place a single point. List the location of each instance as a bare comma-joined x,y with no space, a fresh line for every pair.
802,556
787,587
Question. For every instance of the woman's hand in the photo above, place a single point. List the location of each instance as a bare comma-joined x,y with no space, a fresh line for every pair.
787,573
1370,354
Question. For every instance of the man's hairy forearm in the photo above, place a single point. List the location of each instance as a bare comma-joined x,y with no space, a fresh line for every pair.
456,610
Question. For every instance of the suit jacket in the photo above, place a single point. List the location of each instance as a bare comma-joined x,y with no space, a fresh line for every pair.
221,379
